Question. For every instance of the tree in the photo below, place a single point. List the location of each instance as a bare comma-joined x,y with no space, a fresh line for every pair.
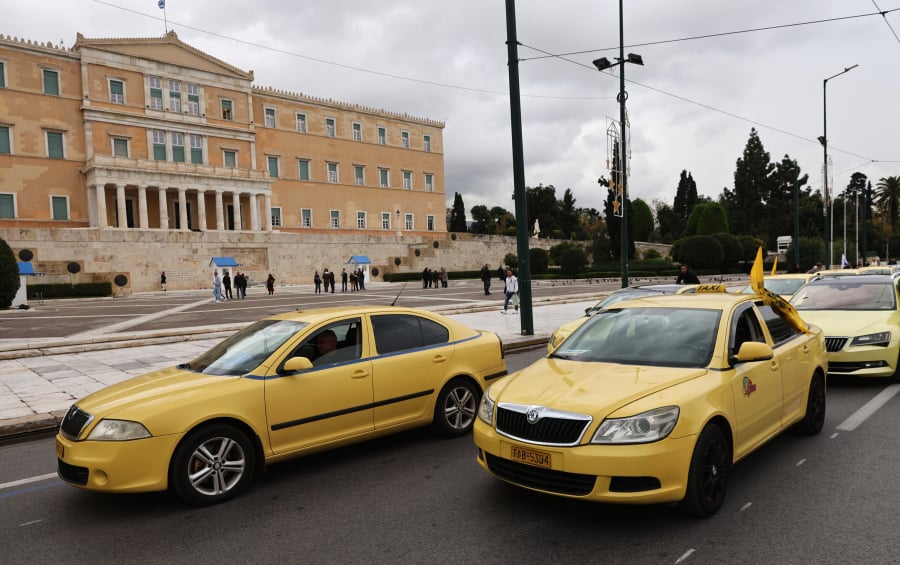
482,220
539,261
665,218
701,252
685,200
9,275
778,218
713,219
543,207
887,196
573,261
731,252
642,218
752,178
457,221
568,217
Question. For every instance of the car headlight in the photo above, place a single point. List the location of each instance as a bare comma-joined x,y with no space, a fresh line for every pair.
118,430
881,338
650,426
486,410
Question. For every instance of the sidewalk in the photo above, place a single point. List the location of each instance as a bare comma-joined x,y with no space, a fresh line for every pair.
44,379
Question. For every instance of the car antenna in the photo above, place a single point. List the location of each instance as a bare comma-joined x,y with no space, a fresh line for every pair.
399,293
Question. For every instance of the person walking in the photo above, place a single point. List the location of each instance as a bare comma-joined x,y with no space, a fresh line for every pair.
331,280
217,285
226,284
486,279
270,284
162,281
343,280
317,280
512,290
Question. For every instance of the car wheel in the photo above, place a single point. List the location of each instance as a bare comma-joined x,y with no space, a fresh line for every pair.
212,465
814,419
456,407
708,473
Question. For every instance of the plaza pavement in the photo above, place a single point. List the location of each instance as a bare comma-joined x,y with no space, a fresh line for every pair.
39,380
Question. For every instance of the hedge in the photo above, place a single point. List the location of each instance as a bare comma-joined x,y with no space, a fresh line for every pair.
80,290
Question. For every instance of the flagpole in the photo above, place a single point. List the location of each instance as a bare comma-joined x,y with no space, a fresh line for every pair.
165,20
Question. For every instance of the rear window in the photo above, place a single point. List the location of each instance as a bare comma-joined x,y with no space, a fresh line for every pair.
846,294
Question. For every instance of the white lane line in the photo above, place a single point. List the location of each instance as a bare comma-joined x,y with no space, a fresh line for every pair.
869,408
32,522
27,481
746,506
685,556
834,435
801,462
138,320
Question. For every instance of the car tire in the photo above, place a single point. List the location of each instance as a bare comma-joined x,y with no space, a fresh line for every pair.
212,465
814,419
456,407
708,474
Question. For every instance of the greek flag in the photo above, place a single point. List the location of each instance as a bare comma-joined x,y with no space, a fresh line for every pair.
844,262
161,4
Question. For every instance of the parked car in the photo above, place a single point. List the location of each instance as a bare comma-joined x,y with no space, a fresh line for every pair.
860,316
285,386
653,400
783,285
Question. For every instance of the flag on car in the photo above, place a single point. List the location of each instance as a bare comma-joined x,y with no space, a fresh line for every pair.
779,304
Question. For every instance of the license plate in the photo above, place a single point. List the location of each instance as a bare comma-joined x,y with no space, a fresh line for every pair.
530,456
60,449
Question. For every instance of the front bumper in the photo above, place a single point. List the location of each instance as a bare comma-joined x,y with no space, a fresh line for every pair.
863,361
140,465
628,474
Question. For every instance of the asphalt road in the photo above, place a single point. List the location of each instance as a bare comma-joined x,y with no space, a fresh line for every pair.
415,498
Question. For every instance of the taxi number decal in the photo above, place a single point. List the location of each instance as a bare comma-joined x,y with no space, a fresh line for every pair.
531,456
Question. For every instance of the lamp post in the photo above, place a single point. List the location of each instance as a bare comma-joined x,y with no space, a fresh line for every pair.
824,141
602,64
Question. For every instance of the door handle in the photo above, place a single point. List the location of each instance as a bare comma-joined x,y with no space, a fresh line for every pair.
438,359
774,366
358,374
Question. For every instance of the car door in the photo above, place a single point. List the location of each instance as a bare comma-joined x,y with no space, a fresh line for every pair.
792,348
755,385
329,402
413,354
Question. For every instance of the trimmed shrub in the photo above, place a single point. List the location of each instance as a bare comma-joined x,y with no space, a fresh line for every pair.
9,275
540,261
701,252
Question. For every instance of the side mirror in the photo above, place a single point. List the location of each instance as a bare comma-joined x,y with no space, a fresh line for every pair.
297,364
753,351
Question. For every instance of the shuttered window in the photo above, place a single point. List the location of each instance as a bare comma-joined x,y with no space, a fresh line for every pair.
51,82
55,145
5,145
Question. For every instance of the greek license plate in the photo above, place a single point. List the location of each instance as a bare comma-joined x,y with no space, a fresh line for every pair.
530,456
60,450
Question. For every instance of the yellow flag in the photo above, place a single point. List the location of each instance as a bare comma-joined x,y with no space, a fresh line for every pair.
756,273
784,308
774,266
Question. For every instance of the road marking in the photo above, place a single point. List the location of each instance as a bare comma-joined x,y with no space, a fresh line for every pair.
32,522
869,408
746,506
27,481
685,556
834,435
801,462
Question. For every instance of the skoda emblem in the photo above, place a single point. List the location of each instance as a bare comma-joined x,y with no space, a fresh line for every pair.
533,415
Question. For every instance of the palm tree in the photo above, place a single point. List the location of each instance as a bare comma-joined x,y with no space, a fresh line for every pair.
887,196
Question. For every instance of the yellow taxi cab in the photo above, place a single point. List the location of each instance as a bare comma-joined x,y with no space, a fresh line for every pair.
653,399
784,285
285,386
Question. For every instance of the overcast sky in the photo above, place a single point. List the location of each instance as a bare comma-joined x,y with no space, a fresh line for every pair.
691,106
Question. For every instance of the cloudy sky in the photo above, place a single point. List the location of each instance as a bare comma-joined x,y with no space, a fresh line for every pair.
713,70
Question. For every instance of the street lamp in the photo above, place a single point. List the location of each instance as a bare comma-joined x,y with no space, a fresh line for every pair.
602,64
823,139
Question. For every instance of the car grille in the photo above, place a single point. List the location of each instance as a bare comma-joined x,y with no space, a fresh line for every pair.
835,343
553,428
74,422
542,479
71,473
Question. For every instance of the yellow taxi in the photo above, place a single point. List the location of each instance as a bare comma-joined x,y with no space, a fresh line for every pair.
784,285
653,399
285,386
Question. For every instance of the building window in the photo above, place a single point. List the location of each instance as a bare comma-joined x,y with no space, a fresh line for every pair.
357,131
178,147
5,140
55,145
361,220
329,127
174,96
301,123
269,117
306,217
156,99
383,178
303,166
332,173
359,174
229,158
193,105
407,180
227,111
429,182
382,136
159,145
51,82
7,206
429,221
120,147
116,91
2,74
426,142
409,222
273,165
196,149
404,139
335,219
60,207
276,217
385,220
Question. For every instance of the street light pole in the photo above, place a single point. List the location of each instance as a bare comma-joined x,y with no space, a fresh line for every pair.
824,141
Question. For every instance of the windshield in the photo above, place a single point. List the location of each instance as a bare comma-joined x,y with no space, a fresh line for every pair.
246,349
620,296
785,287
846,295
672,337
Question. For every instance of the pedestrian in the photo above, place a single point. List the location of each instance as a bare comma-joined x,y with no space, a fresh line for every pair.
317,280
270,284
361,278
435,278
444,277
486,279
686,275
162,281
512,291
331,280
240,285
354,284
426,278
501,273
217,285
343,280
226,284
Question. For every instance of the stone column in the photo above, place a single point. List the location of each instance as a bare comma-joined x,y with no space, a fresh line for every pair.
120,206
254,212
92,205
201,209
182,208
101,206
163,209
220,211
236,202
142,207
267,210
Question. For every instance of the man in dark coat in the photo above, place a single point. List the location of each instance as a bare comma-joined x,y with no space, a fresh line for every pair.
687,276
486,279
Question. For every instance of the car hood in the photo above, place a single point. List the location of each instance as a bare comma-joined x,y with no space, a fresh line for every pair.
851,323
589,388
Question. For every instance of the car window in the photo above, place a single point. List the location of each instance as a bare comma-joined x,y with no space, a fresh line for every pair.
846,295
345,337
745,328
398,332
432,332
779,328
246,349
